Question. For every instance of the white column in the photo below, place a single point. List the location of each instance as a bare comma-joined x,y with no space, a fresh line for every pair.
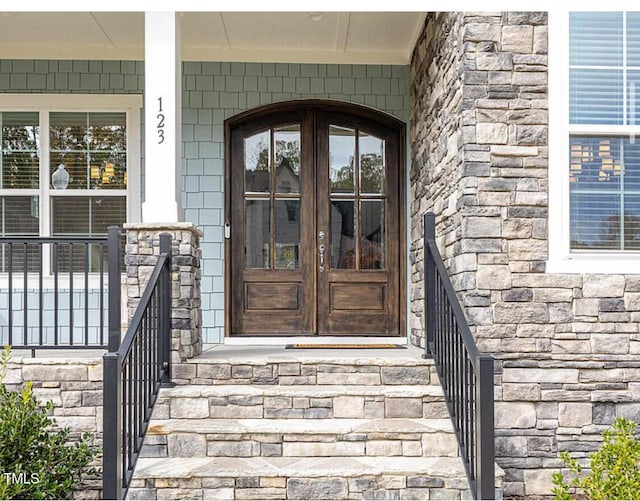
163,118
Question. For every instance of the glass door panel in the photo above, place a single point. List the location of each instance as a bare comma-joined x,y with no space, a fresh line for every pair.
372,169
343,248
272,225
372,231
287,143
257,163
342,151
257,234
287,246
357,192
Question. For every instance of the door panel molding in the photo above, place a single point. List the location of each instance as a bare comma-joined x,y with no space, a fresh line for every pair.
305,301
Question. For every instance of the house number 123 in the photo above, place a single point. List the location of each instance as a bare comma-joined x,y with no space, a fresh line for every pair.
160,124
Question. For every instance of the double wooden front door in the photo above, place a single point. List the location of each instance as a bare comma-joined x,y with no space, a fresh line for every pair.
315,204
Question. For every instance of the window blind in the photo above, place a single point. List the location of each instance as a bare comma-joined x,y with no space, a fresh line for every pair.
604,167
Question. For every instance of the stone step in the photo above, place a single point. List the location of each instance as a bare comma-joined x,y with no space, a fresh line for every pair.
300,401
299,478
226,366
300,437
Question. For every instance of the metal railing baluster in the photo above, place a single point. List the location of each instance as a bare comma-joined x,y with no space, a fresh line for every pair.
143,361
466,374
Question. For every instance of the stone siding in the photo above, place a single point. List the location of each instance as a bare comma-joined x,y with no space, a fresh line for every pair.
566,344
436,151
141,251
74,385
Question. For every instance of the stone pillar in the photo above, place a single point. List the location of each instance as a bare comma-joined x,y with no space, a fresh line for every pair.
141,251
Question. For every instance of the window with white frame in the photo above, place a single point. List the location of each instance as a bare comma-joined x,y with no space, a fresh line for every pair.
604,152
66,170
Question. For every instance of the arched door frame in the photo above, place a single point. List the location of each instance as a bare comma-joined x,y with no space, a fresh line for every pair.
360,115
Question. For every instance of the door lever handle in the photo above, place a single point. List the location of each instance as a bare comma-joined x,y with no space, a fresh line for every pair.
321,249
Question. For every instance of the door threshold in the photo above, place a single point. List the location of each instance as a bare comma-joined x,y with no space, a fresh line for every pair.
287,340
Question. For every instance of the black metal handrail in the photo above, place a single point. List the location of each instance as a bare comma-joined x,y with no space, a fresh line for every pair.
134,371
50,284
466,375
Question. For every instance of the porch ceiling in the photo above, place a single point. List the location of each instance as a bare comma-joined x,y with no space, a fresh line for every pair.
338,37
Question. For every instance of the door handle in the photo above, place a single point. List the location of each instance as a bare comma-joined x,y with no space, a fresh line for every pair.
321,249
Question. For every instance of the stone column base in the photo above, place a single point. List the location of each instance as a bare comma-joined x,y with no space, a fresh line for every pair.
141,251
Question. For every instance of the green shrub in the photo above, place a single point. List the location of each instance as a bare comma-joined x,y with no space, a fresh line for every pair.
35,462
614,468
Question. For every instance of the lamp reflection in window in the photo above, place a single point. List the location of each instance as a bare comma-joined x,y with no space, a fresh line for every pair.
583,153
105,174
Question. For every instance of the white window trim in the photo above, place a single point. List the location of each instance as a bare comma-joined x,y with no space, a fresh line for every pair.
561,259
130,104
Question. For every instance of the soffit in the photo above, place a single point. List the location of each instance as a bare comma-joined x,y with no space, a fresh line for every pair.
340,37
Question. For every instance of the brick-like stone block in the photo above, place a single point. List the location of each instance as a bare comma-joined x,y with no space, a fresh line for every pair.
493,277
480,32
517,38
405,375
222,493
513,415
403,407
384,448
214,371
538,482
479,227
348,407
533,375
229,448
491,133
189,408
534,313
610,343
511,447
262,493
520,392
317,488
494,61
574,414
187,445
603,286
61,372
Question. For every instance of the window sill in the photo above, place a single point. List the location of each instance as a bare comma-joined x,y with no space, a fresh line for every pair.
618,264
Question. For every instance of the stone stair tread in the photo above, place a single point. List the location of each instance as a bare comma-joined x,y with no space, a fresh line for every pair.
300,426
298,467
315,391
261,355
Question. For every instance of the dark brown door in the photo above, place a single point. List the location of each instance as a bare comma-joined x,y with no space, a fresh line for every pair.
315,204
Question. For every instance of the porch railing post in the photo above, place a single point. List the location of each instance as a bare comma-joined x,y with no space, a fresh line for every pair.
113,251
112,428
429,284
485,448
165,314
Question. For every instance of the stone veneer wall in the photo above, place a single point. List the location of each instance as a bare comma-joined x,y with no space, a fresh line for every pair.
74,385
566,345
141,251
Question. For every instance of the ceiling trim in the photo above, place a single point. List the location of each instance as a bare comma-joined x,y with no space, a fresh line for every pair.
206,54
295,56
72,53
